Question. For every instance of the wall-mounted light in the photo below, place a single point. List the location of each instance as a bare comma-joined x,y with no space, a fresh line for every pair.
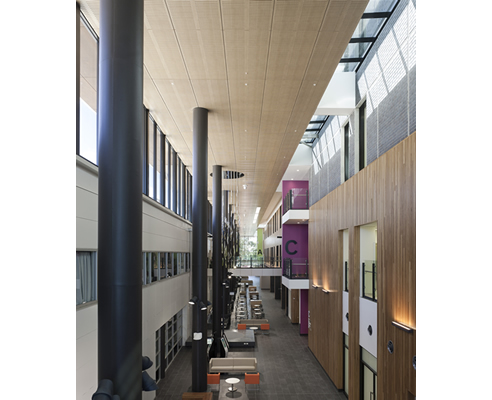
245,187
203,307
325,291
369,329
193,300
315,286
402,327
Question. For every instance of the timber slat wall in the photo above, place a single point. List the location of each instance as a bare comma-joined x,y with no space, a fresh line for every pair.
383,192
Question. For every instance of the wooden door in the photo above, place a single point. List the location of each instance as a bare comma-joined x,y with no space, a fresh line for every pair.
294,306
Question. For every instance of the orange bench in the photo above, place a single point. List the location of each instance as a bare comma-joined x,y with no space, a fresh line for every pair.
241,326
265,327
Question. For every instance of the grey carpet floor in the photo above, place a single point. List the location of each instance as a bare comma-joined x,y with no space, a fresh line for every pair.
288,370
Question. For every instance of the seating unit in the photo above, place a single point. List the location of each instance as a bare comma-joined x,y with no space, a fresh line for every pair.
232,364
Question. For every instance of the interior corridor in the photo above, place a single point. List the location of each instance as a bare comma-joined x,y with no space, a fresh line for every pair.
288,369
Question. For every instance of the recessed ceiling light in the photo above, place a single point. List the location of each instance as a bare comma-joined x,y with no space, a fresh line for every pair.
297,170
245,84
314,84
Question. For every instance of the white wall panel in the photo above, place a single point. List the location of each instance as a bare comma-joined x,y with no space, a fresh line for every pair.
368,315
345,310
162,231
160,301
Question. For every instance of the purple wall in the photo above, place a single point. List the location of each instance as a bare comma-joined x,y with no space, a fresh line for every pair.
288,185
298,233
303,328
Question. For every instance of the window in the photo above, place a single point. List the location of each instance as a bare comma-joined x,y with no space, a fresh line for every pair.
168,174
151,157
169,340
369,384
86,276
158,162
368,259
362,136
346,364
346,152
345,257
87,129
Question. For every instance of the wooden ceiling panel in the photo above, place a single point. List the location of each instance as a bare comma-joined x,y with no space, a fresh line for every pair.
180,101
162,55
260,67
289,54
203,53
195,15
280,95
247,15
246,54
156,15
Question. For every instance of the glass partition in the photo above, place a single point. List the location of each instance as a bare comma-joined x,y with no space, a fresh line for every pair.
296,268
296,199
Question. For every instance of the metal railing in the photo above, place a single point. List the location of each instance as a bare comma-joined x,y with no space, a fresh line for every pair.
296,199
256,262
296,268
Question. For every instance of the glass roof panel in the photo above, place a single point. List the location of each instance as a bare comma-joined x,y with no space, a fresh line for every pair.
356,50
380,5
368,27
315,126
347,67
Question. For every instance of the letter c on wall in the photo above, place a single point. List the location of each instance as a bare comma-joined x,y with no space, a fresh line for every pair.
287,247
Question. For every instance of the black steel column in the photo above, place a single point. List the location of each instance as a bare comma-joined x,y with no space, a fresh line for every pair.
200,210
217,256
225,297
120,125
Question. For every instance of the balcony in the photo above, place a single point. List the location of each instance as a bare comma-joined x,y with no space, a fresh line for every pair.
296,273
296,206
296,268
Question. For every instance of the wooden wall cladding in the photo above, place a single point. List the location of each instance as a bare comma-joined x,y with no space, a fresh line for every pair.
384,192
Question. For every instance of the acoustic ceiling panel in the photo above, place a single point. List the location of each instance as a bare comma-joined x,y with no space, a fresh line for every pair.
260,67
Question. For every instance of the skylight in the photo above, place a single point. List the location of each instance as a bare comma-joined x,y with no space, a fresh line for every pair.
370,25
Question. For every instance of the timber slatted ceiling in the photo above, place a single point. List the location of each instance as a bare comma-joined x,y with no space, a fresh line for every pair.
203,52
384,192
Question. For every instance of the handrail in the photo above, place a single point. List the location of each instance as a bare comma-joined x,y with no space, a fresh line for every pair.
296,199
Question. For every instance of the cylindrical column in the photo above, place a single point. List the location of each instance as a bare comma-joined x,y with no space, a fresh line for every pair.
120,130
200,210
217,255
225,297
